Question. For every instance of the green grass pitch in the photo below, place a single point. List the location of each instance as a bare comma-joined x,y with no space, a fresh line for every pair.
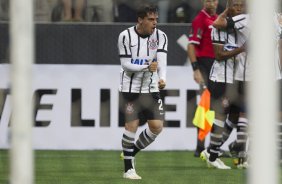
105,167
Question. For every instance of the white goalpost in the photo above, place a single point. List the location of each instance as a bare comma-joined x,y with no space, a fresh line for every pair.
22,56
263,95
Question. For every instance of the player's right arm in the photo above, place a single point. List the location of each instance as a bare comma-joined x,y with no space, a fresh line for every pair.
125,55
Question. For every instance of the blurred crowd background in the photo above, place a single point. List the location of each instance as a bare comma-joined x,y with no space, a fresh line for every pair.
170,11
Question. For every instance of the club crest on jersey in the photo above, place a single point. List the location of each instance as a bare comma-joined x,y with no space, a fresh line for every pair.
129,109
153,44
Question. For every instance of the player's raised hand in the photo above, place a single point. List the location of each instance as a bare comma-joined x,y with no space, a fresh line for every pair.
162,84
153,66
221,21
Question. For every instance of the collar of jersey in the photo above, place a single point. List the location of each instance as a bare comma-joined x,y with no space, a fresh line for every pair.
142,36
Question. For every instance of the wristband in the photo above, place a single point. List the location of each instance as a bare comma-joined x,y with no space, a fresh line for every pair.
195,65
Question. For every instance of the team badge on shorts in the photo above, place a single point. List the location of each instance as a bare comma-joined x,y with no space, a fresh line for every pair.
153,44
129,108
225,102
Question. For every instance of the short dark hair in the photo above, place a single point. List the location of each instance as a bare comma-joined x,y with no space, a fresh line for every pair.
143,10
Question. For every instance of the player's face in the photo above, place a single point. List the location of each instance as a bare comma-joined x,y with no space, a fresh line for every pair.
148,23
210,6
238,7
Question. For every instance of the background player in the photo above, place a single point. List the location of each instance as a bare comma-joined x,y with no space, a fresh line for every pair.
227,46
242,78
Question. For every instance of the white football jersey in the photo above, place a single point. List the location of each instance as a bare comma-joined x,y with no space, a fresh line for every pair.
136,52
243,68
242,24
223,71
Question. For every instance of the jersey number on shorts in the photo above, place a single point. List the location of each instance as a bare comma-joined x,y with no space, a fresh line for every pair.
161,104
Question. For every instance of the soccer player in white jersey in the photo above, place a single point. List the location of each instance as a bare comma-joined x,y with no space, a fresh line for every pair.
240,22
242,78
143,57
226,46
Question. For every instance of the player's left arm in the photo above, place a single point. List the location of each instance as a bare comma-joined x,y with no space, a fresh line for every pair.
221,53
162,59
221,49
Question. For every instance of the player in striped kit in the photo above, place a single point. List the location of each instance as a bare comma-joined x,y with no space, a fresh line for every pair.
241,23
242,78
227,47
143,57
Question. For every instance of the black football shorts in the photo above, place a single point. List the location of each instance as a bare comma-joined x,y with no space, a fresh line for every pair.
134,105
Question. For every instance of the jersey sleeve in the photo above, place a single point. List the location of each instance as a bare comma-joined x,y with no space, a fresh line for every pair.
241,23
123,45
126,56
196,31
162,55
